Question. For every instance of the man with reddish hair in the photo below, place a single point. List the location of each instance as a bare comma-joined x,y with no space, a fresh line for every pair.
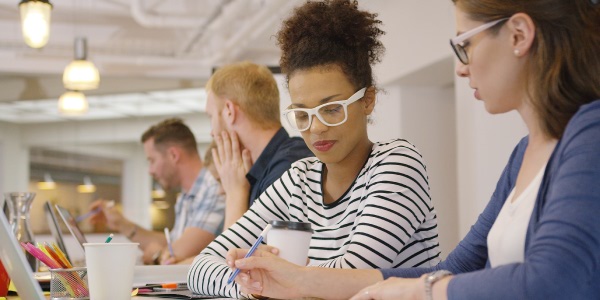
174,162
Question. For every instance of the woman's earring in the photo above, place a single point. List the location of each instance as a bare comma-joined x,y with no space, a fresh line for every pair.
517,52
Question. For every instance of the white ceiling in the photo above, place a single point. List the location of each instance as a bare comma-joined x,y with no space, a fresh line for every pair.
116,106
145,50
150,38
142,48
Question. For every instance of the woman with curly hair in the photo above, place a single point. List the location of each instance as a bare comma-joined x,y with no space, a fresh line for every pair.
538,237
368,203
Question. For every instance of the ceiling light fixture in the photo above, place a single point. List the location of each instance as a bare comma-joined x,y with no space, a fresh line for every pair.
72,103
35,22
81,74
158,192
87,187
47,184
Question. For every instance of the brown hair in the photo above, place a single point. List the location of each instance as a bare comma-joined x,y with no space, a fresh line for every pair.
332,33
170,132
252,87
564,66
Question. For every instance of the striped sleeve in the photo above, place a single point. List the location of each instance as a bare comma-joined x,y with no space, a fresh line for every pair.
395,203
209,272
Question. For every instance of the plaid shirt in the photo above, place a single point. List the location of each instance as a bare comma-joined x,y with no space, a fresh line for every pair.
200,207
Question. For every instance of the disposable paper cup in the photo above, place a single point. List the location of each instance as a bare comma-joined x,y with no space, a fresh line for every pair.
292,239
110,269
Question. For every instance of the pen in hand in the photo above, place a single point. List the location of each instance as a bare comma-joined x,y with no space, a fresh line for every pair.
94,212
169,245
251,251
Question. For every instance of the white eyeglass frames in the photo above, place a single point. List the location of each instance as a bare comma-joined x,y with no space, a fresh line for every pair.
331,114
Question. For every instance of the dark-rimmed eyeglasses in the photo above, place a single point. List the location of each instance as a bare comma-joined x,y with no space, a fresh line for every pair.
459,44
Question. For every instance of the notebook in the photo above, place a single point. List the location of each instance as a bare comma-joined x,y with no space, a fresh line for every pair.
71,224
55,228
14,261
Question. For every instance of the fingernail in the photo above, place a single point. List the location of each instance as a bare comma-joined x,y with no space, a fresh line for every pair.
240,263
256,285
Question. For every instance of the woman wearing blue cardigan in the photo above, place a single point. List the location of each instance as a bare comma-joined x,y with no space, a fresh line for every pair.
539,236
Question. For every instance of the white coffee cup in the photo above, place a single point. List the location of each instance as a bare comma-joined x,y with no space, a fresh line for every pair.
292,239
110,269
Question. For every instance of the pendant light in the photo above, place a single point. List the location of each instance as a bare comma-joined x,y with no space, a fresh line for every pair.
87,187
72,103
158,192
35,22
81,74
47,184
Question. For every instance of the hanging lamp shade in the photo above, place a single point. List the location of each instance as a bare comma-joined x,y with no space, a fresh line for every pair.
81,74
35,22
47,184
158,192
87,187
72,103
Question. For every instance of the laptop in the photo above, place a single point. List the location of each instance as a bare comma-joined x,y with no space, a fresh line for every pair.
55,229
16,265
2,204
20,273
71,224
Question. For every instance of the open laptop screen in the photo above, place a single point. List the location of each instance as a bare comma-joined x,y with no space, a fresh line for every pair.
71,225
15,263
55,227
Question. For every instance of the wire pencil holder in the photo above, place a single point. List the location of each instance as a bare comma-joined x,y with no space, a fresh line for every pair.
69,284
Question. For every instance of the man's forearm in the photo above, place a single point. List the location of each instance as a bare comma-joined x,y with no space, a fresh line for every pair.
140,235
192,241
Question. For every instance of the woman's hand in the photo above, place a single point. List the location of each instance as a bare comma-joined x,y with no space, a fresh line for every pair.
394,288
266,274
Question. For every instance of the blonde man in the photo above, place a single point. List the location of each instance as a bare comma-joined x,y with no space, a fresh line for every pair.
253,149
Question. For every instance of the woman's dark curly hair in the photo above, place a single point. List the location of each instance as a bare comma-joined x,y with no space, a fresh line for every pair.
331,33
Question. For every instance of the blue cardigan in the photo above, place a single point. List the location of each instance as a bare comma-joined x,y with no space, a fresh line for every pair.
562,246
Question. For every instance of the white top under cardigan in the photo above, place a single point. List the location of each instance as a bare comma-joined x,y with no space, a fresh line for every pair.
506,239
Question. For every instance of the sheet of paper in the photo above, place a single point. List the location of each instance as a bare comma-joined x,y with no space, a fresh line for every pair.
160,274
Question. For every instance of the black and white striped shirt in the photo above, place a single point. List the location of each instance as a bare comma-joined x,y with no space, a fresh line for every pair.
384,220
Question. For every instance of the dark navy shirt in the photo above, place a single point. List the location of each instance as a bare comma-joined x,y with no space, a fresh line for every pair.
277,158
